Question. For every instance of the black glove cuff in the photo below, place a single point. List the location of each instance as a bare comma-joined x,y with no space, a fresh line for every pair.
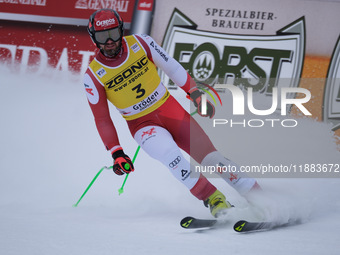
117,154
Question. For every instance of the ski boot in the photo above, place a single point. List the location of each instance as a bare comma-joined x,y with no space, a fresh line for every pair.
217,204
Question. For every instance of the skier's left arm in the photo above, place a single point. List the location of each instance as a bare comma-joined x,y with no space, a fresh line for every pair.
175,72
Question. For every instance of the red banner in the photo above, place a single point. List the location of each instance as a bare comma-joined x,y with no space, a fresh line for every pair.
34,47
55,34
58,10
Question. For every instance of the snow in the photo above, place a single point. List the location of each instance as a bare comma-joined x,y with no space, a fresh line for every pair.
50,151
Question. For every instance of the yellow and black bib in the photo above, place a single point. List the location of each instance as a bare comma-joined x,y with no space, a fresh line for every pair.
134,87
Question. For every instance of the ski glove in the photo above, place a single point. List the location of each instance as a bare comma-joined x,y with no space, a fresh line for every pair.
122,163
196,97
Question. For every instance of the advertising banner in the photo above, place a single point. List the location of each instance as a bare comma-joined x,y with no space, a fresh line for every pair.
75,12
36,35
258,45
331,99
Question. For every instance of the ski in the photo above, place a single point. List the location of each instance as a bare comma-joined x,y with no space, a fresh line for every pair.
194,223
190,222
241,226
244,226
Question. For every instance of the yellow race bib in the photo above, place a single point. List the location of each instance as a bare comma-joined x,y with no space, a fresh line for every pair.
134,87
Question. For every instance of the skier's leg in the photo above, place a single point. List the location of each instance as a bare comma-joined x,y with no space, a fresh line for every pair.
190,136
159,144
229,171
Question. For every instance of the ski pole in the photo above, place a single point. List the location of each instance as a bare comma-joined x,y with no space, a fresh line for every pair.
99,172
193,113
121,190
88,187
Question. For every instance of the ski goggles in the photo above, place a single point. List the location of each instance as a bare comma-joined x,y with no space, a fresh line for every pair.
102,36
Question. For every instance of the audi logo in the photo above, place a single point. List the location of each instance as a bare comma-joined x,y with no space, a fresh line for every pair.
175,162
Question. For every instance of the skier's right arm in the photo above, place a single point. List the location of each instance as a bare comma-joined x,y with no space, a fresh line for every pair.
96,96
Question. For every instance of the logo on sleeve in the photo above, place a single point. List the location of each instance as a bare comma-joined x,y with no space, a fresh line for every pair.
101,72
91,90
135,47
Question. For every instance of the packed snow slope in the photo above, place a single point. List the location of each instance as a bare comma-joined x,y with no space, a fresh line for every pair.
50,151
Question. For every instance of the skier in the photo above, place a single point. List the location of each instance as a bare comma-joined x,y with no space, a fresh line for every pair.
124,73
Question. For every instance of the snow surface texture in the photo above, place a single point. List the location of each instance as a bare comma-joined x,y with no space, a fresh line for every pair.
50,151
